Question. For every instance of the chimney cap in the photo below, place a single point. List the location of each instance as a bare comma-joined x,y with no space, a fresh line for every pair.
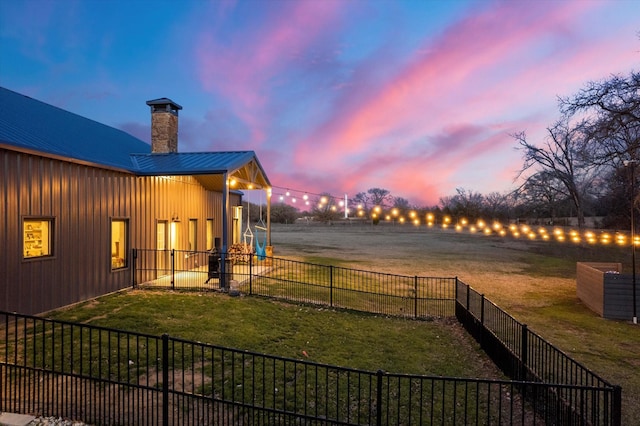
165,104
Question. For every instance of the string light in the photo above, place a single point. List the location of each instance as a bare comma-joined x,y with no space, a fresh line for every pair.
445,222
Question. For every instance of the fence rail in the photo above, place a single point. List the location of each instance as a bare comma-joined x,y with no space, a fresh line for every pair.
106,376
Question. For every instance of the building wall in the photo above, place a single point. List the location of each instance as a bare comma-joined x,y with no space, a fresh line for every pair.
82,200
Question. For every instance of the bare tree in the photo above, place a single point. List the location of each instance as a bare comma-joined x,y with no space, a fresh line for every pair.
542,193
467,204
563,158
364,199
617,199
612,107
283,213
325,208
401,203
497,205
379,197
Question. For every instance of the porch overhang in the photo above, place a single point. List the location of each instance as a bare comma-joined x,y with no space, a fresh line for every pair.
241,168
249,176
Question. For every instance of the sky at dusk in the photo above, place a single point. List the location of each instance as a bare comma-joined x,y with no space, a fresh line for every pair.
417,97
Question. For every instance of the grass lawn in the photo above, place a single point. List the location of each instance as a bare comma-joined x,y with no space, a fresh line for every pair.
340,338
533,281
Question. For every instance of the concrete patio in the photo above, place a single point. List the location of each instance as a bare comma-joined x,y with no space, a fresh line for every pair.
198,278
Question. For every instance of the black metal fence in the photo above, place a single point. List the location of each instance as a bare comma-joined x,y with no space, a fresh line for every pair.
327,285
106,376
524,355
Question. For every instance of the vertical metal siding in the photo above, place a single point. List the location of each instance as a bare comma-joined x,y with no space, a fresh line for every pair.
83,200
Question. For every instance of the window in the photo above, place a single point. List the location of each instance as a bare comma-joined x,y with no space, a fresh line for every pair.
209,234
193,234
37,237
119,244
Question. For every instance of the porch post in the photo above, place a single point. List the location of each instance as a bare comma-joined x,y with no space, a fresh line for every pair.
225,228
269,217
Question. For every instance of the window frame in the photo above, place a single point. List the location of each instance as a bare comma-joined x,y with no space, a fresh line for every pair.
124,264
51,237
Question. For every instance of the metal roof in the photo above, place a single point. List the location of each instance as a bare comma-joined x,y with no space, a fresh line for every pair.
36,126
194,162
29,125
242,166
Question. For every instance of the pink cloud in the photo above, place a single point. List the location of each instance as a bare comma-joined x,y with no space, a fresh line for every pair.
242,69
490,68
420,95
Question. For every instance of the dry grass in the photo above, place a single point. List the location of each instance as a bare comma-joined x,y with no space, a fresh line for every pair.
533,281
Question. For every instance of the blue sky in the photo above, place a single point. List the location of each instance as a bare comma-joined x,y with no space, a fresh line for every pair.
417,97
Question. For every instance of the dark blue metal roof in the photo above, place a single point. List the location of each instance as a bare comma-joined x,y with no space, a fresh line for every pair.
36,126
30,125
193,162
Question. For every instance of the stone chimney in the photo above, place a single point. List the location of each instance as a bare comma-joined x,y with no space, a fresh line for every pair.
164,125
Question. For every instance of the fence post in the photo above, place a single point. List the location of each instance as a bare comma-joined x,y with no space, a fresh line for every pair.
379,375
134,257
331,285
415,296
173,269
455,298
165,379
223,269
250,273
455,290
524,352
468,297
616,410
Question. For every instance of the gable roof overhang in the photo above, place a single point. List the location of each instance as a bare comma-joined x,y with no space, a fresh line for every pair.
242,168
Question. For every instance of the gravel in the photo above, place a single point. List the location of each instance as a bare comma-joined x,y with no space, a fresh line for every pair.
55,421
